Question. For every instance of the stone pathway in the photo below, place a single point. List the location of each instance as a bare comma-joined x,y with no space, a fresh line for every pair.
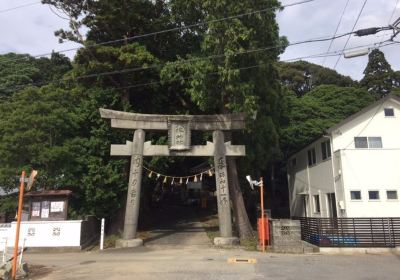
177,226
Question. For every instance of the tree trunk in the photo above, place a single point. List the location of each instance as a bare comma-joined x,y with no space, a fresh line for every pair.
242,222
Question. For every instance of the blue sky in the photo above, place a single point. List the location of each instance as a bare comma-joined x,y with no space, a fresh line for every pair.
31,30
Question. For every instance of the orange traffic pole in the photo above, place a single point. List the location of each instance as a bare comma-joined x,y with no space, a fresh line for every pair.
20,205
262,214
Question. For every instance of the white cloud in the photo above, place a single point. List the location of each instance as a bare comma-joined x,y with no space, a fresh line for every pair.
320,18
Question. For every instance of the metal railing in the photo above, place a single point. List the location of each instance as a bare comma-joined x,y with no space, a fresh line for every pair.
351,232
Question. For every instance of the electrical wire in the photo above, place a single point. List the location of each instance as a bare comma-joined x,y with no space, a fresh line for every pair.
394,11
169,30
18,7
354,26
335,53
135,69
55,13
336,30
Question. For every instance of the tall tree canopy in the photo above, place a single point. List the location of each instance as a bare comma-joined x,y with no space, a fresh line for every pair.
18,71
302,76
309,116
379,77
222,76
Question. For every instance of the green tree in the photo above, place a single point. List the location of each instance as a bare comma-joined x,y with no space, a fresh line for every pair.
309,116
233,82
18,71
379,77
303,76
36,125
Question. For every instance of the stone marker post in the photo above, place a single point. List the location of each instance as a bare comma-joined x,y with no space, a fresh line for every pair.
133,195
224,206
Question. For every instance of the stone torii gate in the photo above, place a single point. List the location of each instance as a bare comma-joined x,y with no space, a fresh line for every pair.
179,137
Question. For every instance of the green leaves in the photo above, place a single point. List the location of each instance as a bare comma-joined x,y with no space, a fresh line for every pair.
309,116
379,78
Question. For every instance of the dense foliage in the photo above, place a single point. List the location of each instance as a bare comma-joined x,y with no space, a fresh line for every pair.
379,77
49,118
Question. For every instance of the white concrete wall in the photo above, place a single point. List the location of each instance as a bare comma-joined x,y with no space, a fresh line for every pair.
313,180
371,123
298,183
44,234
352,169
371,170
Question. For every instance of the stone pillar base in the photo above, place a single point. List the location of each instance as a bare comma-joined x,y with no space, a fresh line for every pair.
128,243
226,241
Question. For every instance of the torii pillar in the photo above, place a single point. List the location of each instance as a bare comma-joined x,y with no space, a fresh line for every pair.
179,131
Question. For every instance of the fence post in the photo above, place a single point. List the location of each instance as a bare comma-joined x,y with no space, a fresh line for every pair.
372,230
319,231
355,234
390,232
102,234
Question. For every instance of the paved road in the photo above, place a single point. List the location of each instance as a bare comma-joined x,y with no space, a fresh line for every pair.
177,226
209,263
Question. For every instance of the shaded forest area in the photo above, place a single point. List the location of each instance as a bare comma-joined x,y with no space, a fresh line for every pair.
49,118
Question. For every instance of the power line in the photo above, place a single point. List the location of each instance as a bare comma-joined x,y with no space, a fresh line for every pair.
354,26
394,11
19,7
135,69
334,53
171,29
337,28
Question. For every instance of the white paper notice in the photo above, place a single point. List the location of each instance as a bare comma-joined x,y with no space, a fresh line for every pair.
35,209
57,206
45,209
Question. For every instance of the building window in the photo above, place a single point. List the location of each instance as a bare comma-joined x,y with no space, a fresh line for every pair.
389,112
391,195
312,159
373,195
326,149
355,195
317,205
294,162
361,142
368,142
374,142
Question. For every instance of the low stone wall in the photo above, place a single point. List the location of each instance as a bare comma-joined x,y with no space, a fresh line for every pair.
286,237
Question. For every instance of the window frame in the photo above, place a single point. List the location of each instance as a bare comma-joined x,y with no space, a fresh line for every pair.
311,157
368,141
326,150
355,199
317,204
392,199
374,199
376,137
359,137
391,109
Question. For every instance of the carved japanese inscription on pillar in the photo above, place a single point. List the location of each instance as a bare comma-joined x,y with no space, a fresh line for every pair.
222,182
135,170
178,134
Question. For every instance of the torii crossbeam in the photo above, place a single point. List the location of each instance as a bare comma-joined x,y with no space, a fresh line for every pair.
179,135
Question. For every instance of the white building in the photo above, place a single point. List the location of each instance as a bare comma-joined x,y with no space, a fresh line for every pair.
353,170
